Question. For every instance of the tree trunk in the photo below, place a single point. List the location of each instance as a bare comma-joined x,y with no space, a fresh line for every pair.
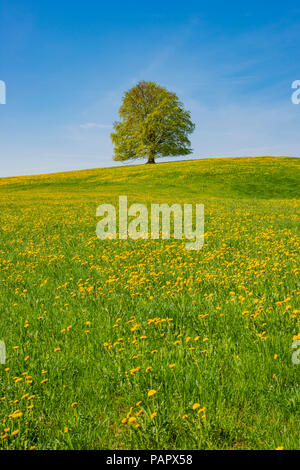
151,157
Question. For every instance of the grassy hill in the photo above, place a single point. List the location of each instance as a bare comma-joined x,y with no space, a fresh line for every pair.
124,344
255,177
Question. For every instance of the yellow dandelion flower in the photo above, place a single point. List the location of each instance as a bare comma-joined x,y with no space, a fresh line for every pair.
16,414
201,410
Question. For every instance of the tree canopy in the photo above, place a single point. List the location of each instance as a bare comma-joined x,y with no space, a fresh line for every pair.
153,123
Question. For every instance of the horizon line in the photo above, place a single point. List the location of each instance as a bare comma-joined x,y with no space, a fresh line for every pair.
139,164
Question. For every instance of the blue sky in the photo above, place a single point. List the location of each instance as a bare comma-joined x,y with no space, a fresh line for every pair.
66,65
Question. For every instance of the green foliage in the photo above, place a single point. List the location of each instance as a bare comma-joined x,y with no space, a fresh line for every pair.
153,124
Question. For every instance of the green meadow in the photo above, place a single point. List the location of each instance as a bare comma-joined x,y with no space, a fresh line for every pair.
123,344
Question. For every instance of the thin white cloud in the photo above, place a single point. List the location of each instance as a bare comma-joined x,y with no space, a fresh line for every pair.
94,125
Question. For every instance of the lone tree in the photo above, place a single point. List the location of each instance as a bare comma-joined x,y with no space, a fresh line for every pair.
153,123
